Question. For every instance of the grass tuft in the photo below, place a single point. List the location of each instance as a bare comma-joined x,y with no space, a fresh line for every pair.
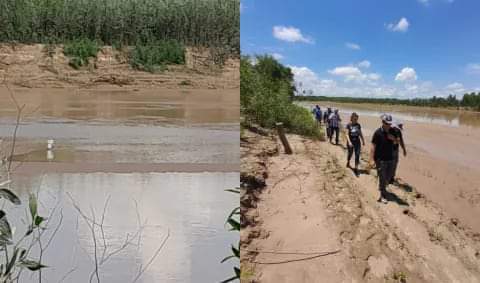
155,56
80,51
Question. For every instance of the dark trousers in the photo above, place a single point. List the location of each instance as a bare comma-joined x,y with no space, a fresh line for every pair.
395,163
385,173
332,130
354,146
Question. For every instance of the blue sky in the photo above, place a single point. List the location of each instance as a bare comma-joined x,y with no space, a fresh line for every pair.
394,48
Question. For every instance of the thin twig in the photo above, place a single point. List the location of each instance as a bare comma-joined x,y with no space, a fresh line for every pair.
94,247
101,228
282,252
17,123
157,252
299,259
67,274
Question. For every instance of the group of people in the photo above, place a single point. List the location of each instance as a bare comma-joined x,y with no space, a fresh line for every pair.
331,119
386,143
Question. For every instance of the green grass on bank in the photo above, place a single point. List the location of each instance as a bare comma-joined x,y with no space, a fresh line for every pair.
151,57
266,95
155,56
80,52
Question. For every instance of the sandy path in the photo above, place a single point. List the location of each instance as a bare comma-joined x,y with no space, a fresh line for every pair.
313,203
443,163
294,222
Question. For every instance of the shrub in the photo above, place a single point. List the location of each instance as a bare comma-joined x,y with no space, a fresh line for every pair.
266,92
80,51
155,56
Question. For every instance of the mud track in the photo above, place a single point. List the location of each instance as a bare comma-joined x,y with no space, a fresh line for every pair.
312,204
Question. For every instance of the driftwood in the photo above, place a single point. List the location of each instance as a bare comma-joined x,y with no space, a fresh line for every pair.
283,138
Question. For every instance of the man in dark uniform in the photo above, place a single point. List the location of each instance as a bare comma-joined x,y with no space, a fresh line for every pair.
382,155
397,132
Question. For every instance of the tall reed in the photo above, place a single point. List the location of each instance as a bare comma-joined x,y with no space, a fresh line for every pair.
198,23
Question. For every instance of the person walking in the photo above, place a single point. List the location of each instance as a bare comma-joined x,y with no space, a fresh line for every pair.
334,124
381,155
317,111
354,136
397,132
325,120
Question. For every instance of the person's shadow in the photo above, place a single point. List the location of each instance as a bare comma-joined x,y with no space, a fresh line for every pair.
404,186
360,171
393,197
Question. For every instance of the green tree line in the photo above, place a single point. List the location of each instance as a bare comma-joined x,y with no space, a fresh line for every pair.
266,95
469,101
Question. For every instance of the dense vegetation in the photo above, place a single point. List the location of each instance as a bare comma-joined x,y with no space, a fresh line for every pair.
468,101
154,56
266,95
80,51
202,23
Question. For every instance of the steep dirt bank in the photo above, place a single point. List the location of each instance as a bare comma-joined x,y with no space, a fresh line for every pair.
40,66
313,204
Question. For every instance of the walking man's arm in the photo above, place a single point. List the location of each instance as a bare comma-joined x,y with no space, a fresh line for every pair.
361,137
372,154
402,144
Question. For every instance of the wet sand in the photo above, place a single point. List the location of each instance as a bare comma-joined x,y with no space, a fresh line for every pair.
443,161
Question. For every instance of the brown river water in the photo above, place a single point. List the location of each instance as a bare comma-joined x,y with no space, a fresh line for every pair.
160,159
443,153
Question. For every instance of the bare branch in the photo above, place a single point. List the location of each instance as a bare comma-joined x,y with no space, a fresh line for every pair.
155,255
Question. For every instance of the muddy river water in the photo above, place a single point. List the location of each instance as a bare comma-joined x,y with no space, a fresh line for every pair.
443,153
155,163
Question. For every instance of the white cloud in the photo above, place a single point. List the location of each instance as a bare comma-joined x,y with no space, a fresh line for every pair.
290,34
373,76
277,56
310,81
401,26
346,71
427,2
352,73
352,46
410,87
455,87
406,74
328,87
364,64
473,68
424,2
